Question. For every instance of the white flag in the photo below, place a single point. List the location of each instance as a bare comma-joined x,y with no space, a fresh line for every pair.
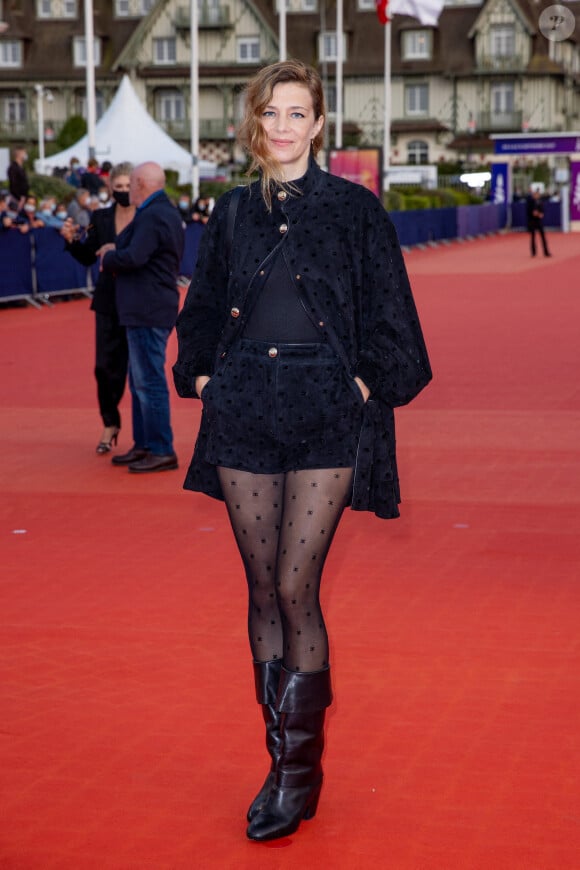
427,11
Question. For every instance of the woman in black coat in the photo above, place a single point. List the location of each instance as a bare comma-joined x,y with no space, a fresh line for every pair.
110,337
300,336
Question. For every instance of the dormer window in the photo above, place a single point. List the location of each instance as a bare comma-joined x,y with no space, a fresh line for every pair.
503,40
417,44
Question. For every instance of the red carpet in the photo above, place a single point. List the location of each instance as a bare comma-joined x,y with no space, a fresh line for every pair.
129,737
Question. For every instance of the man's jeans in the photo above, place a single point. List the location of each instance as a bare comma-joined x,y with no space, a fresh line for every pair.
149,391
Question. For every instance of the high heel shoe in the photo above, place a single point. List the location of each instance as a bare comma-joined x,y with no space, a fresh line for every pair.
105,446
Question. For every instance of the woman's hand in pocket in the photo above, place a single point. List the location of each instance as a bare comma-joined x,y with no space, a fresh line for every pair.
363,388
201,382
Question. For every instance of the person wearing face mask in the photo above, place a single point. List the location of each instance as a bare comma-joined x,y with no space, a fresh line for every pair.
184,206
110,337
29,213
104,198
74,176
47,214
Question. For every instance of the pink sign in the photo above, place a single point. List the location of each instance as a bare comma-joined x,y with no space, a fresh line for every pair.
575,190
361,165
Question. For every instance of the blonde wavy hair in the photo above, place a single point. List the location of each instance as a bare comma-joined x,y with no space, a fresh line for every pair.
251,135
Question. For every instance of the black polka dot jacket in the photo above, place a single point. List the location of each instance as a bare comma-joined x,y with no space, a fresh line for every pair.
343,253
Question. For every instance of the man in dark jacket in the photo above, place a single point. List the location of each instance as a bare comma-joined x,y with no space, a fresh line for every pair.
145,261
535,215
17,177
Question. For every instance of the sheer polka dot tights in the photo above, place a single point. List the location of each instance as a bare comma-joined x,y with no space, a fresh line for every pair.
284,525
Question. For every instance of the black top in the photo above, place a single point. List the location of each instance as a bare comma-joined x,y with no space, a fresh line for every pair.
100,231
17,180
278,314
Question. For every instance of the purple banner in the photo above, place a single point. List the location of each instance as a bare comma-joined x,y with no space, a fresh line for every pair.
499,183
539,145
574,190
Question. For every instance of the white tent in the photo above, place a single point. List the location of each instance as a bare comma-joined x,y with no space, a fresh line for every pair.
128,132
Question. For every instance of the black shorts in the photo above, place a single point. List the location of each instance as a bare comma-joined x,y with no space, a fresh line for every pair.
272,407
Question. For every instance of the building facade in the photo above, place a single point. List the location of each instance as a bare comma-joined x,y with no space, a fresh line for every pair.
487,68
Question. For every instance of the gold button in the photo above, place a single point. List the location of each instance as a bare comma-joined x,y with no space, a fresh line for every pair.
283,228
223,355
298,277
262,272
282,195
321,322
273,352
235,312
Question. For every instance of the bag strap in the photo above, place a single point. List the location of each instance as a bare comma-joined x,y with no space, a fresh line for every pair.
231,220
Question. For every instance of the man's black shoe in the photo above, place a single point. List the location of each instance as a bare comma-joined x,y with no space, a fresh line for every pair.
153,462
133,455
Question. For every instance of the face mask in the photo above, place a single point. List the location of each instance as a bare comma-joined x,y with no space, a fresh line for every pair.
46,212
61,215
103,196
30,209
183,204
74,166
122,197
11,214
25,157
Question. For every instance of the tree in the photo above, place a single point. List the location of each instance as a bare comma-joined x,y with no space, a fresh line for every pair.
73,130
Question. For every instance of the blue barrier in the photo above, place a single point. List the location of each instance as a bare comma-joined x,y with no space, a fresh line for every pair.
193,234
552,214
15,272
418,227
56,270
37,264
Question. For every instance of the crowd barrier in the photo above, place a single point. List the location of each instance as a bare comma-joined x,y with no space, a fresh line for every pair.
552,214
36,266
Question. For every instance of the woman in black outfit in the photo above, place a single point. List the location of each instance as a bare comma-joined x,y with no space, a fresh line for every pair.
299,341
110,337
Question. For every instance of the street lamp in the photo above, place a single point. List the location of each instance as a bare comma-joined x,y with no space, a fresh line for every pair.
42,93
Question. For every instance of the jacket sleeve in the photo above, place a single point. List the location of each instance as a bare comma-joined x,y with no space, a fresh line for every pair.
202,318
135,246
86,252
392,358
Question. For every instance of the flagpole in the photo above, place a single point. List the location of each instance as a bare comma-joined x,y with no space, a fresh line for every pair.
387,115
194,98
90,76
339,62
282,29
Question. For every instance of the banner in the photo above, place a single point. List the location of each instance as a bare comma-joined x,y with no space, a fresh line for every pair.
361,165
575,190
499,183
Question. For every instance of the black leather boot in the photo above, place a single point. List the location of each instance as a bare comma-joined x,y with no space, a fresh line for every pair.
267,679
302,701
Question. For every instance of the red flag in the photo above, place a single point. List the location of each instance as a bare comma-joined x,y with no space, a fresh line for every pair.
382,10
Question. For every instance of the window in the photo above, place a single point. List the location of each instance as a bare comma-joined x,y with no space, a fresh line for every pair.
99,105
416,45
503,40
165,50
169,106
10,53
417,152
366,5
502,98
327,45
80,51
279,6
308,5
13,110
210,11
416,99
330,99
122,8
248,49
56,8
147,6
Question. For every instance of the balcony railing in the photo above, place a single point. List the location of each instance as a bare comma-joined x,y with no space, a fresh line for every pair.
500,63
209,17
491,121
28,130
208,129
